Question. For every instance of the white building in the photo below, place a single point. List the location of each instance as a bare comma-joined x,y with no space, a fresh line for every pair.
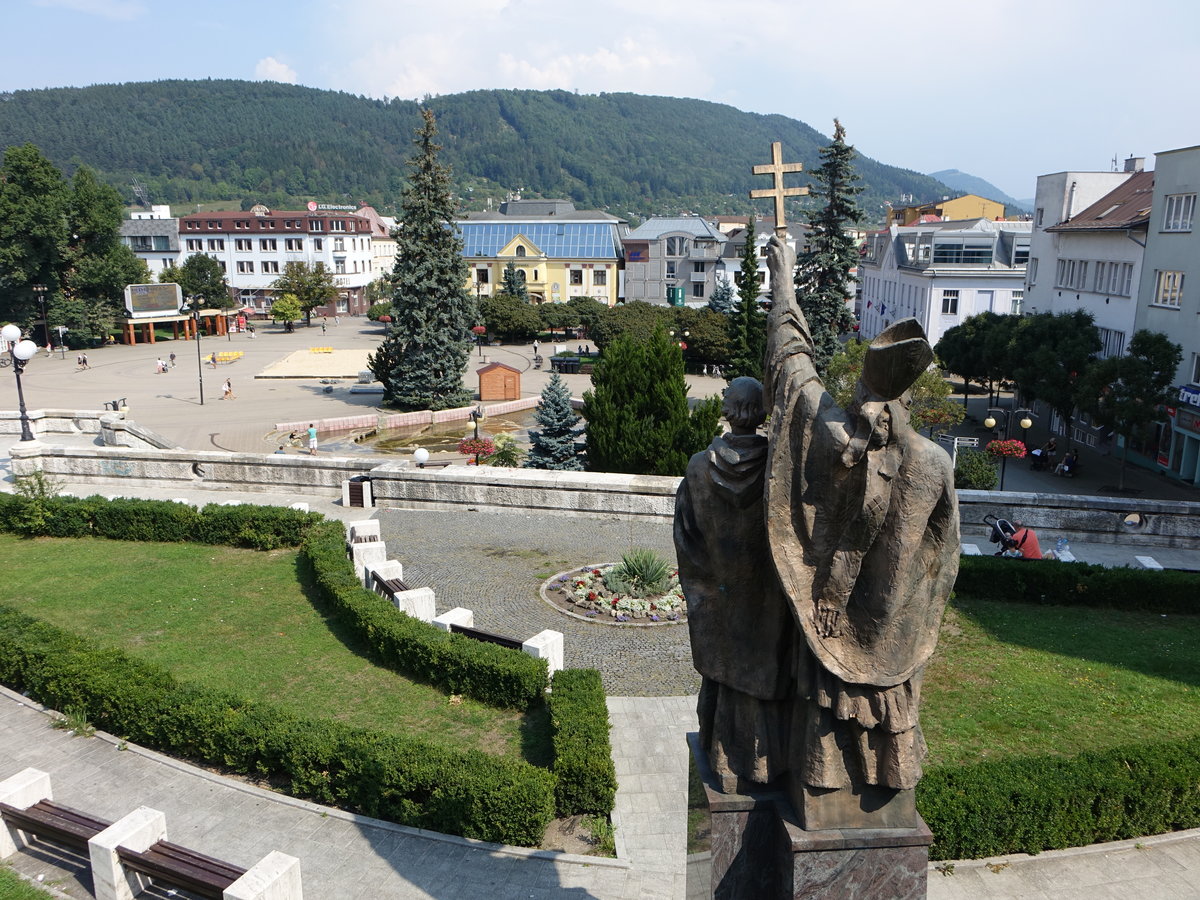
153,239
254,247
1089,237
942,273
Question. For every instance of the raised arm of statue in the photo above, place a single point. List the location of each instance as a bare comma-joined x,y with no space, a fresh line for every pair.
789,343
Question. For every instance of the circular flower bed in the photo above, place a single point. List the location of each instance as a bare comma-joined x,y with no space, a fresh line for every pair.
584,594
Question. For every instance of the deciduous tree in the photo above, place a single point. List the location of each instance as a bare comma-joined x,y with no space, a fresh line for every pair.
311,284
200,276
1056,351
510,318
422,360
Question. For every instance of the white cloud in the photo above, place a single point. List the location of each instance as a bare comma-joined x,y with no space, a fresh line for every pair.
271,69
122,10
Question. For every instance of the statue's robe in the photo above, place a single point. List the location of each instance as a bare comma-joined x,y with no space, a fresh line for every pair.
739,622
875,528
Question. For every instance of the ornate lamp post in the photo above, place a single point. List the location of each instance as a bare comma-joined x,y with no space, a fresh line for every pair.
1009,417
40,291
22,352
194,306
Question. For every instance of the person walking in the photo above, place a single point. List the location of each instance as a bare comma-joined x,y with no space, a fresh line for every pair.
212,360
160,366
312,439
227,390
83,363
172,359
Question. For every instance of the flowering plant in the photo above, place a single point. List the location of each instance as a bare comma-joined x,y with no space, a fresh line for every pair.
1013,449
588,589
476,447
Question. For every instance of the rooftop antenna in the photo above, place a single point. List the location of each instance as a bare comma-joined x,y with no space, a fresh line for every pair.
1114,163
143,196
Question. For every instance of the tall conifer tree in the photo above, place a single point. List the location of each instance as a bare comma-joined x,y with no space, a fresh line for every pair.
556,444
428,345
823,279
514,284
748,324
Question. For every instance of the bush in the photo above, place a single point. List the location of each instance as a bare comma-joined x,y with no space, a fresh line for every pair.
400,779
1078,584
583,764
975,471
486,672
640,573
1026,805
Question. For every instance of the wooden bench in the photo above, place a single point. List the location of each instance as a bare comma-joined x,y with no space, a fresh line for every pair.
487,637
182,868
55,822
389,586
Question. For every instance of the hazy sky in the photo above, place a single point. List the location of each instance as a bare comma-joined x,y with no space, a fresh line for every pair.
1006,90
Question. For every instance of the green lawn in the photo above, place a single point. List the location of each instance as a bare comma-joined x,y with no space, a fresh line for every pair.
1012,678
243,621
12,887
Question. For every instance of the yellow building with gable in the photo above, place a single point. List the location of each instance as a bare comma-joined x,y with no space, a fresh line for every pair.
968,206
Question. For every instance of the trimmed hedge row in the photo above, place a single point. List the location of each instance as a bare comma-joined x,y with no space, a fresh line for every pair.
488,673
1030,804
244,525
1078,584
587,779
399,779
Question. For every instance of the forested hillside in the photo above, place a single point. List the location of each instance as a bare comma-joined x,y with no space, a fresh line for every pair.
196,141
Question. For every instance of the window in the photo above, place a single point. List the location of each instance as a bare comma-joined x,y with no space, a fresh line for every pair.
339,245
269,245
670,268
213,225
161,242
1168,288
575,276
1180,210
599,277
339,267
343,305
520,251
270,268
1018,297
337,225
949,303
1081,275
222,265
140,242
482,276
698,267
293,244
1101,279
1020,254
1112,343
676,246
245,267
1033,271
193,225
316,225
967,251
1196,368
318,244
216,244
242,245
698,289
241,224
195,245
1040,215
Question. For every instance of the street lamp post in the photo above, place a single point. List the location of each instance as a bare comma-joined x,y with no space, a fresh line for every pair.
40,290
194,303
21,352
1009,416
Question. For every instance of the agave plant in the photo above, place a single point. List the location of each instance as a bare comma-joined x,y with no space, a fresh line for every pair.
640,573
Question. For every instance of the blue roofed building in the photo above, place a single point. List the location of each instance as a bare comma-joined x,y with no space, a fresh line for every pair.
561,252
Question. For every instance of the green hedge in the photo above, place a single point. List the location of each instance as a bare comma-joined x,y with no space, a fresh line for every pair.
395,778
244,525
587,780
1078,584
1030,804
488,673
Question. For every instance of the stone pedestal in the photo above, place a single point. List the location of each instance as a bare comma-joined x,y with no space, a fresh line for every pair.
752,846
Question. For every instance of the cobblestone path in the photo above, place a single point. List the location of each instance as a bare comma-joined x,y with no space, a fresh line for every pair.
493,563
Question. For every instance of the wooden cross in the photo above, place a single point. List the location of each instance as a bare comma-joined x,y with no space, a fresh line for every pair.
777,167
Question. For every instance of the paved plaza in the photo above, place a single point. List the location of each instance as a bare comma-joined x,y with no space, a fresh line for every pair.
491,563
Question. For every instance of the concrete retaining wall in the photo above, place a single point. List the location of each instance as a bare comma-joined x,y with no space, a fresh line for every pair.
54,421
531,491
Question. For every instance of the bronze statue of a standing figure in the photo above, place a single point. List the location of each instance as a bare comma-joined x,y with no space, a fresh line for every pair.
861,527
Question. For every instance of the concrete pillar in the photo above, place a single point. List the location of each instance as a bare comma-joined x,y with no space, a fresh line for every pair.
137,831
418,603
22,790
456,616
547,645
274,877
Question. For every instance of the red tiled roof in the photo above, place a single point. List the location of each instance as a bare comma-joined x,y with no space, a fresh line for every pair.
1126,206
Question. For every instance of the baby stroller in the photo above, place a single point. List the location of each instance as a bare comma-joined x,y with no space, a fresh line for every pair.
1002,533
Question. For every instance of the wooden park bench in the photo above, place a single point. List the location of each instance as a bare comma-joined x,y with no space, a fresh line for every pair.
182,868
54,822
487,637
320,349
389,587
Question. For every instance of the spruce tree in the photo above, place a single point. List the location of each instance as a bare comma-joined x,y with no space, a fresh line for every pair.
422,360
556,444
823,279
721,300
748,324
638,421
513,284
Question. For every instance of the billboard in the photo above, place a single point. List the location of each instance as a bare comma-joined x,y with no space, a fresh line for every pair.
145,301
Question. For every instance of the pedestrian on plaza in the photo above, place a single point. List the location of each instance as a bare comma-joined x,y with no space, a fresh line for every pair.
535,346
337,320
172,359
312,439
281,450
83,361
227,390
322,326
250,329
160,366
1067,466
79,363
212,360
